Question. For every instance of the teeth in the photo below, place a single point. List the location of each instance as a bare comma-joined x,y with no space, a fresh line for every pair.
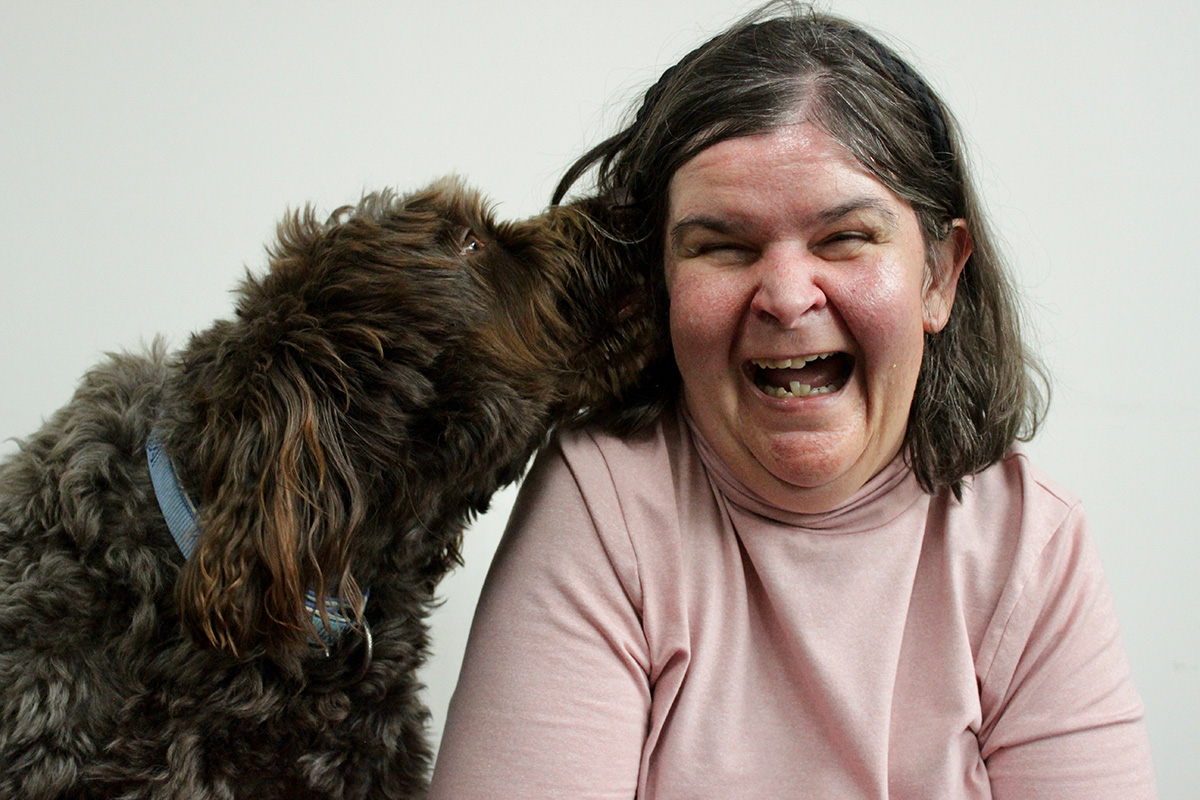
787,363
797,389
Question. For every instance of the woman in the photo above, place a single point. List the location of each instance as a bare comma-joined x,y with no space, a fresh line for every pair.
813,563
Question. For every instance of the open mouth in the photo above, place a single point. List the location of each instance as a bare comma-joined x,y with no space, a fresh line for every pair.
802,376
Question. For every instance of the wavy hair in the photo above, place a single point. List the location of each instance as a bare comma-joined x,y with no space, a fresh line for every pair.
979,388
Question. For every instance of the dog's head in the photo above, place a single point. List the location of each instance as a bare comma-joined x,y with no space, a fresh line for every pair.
397,364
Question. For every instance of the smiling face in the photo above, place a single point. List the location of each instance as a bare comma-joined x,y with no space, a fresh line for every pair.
799,302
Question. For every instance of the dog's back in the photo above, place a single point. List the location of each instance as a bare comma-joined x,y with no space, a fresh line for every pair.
85,577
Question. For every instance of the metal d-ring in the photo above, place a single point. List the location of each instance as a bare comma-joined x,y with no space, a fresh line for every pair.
368,650
333,670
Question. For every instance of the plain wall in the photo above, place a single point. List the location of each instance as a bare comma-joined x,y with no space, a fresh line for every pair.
147,149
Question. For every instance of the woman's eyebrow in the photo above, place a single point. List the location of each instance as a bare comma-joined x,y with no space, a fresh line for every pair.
715,224
865,203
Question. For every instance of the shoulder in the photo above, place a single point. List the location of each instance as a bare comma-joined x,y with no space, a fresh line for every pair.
633,471
1022,551
614,497
1013,525
1012,498
590,447
1015,535
1016,476
1051,669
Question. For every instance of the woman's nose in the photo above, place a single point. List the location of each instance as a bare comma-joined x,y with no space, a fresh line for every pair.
789,286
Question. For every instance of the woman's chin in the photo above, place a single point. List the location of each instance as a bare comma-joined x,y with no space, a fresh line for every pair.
813,472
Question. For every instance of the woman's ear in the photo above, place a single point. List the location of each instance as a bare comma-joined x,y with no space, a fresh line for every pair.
952,253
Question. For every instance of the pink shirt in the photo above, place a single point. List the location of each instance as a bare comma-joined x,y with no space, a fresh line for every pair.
652,629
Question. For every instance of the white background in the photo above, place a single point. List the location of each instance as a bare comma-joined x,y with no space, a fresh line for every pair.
147,149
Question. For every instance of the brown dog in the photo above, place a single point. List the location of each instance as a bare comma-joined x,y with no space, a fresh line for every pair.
395,366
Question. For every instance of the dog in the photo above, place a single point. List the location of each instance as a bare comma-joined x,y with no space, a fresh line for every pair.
323,450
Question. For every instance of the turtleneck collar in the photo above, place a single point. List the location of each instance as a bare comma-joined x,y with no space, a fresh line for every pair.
880,500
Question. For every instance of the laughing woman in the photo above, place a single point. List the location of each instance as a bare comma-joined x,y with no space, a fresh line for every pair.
809,560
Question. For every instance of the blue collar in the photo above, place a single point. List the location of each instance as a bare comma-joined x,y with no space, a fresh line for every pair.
180,514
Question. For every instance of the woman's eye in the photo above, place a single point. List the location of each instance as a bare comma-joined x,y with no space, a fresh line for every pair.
470,243
844,244
719,250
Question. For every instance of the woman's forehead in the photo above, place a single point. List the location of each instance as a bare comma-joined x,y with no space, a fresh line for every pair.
794,169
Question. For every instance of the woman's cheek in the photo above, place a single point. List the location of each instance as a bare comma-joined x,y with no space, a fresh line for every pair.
882,307
703,315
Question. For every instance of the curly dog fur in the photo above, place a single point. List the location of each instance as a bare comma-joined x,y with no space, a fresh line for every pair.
394,367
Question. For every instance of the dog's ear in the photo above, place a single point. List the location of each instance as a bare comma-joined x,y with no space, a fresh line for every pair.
619,306
280,500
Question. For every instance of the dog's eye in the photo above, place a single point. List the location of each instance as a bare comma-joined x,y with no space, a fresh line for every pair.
470,243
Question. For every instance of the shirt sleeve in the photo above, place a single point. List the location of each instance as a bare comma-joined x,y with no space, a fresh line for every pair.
553,698
1062,718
